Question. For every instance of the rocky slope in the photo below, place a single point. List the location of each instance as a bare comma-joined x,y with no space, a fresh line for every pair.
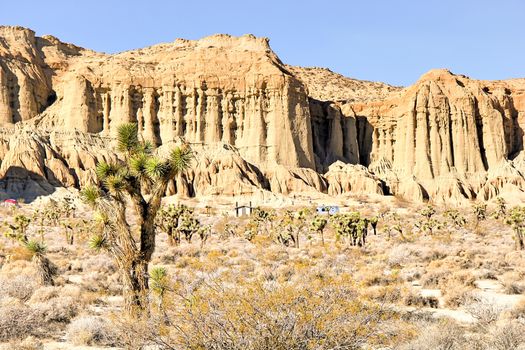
255,123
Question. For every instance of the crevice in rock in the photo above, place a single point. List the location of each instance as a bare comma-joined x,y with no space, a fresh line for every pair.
479,130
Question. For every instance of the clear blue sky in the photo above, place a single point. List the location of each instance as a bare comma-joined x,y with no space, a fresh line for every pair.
391,41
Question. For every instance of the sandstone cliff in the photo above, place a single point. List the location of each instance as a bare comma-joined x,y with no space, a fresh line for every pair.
256,124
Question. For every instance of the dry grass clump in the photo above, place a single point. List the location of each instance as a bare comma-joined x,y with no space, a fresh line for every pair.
59,309
29,343
92,330
458,296
445,335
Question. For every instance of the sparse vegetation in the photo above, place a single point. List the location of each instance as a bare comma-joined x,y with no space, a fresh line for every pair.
275,279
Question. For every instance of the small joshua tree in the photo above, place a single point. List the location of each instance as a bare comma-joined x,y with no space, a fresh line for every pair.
318,225
428,224
291,226
456,219
516,219
59,213
262,219
204,232
188,225
501,208
19,228
480,211
46,270
141,179
168,221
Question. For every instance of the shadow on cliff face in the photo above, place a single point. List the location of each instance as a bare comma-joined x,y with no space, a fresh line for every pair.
19,183
513,131
365,131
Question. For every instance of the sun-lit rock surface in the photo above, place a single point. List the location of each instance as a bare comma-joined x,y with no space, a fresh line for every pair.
447,137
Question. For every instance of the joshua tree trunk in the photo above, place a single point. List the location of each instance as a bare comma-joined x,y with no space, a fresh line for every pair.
135,281
173,236
520,244
45,269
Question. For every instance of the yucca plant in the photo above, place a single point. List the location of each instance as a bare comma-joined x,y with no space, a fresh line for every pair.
44,267
159,284
142,179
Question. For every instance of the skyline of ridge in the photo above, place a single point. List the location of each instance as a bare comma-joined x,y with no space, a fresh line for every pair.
376,41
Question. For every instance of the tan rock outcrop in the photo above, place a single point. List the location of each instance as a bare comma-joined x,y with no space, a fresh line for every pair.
350,178
285,180
447,133
256,124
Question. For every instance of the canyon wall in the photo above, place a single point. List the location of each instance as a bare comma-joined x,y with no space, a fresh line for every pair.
255,123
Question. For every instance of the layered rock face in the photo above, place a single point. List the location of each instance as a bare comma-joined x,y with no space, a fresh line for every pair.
256,124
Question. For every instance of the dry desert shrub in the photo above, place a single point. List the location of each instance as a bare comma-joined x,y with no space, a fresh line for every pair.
413,298
19,287
513,282
20,321
509,336
326,314
485,312
457,296
92,330
518,312
59,309
445,335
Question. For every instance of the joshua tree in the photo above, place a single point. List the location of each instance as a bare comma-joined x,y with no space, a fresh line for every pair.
19,228
480,211
292,224
428,224
501,208
318,225
204,233
168,220
188,225
262,218
456,219
351,226
142,178
68,230
516,220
